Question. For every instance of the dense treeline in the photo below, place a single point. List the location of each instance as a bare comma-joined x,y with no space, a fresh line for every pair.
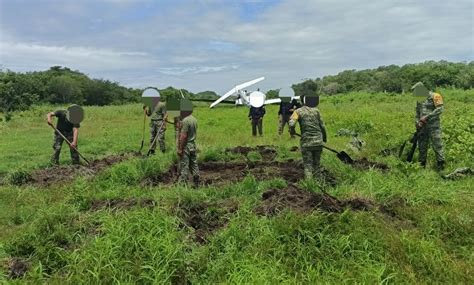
59,85
398,79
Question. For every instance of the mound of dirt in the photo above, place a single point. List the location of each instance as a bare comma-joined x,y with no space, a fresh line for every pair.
17,268
365,164
221,173
276,200
205,218
267,152
61,174
122,204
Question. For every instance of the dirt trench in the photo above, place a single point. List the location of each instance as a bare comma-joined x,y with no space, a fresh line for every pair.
267,152
61,174
276,200
221,173
205,218
362,164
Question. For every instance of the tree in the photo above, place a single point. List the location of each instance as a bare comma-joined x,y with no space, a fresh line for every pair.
271,94
332,88
64,89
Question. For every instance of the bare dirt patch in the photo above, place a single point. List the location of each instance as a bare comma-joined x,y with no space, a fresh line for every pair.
298,200
267,152
122,204
17,267
205,218
221,173
61,174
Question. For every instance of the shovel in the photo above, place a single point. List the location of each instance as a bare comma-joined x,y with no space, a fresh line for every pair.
342,155
69,143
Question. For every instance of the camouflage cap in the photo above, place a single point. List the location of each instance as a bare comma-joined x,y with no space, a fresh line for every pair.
151,97
310,101
186,107
419,89
75,114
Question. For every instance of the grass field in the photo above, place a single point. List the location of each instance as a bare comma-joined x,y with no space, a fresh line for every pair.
116,227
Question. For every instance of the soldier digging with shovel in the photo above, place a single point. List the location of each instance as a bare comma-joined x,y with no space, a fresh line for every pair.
67,129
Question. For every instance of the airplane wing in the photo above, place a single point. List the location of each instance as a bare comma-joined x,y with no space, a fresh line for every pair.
272,101
236,89
278,100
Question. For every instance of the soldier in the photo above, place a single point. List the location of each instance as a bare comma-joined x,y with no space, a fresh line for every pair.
313,135
69,130
256,116
157,126
187,150
284,113
428,124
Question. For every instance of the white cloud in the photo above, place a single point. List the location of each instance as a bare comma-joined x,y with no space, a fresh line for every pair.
21,56
202,45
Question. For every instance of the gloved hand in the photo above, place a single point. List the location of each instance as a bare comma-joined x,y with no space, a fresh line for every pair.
292,131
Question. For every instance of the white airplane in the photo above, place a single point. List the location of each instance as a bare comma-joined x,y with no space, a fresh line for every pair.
254,98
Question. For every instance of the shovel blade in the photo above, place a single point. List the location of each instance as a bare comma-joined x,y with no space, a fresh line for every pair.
344,157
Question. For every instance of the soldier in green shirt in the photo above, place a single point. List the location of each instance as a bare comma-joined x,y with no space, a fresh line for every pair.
428,123
313,135
158,118
187,150
69,130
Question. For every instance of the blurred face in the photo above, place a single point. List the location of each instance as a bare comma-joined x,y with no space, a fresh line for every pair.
312,101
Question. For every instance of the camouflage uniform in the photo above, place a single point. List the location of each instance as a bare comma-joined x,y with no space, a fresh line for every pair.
66,128
189,160
431,108
313,134
157,118
284,112
256,116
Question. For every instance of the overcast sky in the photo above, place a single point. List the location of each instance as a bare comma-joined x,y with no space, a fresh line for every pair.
214,45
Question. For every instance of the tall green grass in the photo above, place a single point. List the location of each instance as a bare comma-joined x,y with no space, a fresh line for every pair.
428,238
